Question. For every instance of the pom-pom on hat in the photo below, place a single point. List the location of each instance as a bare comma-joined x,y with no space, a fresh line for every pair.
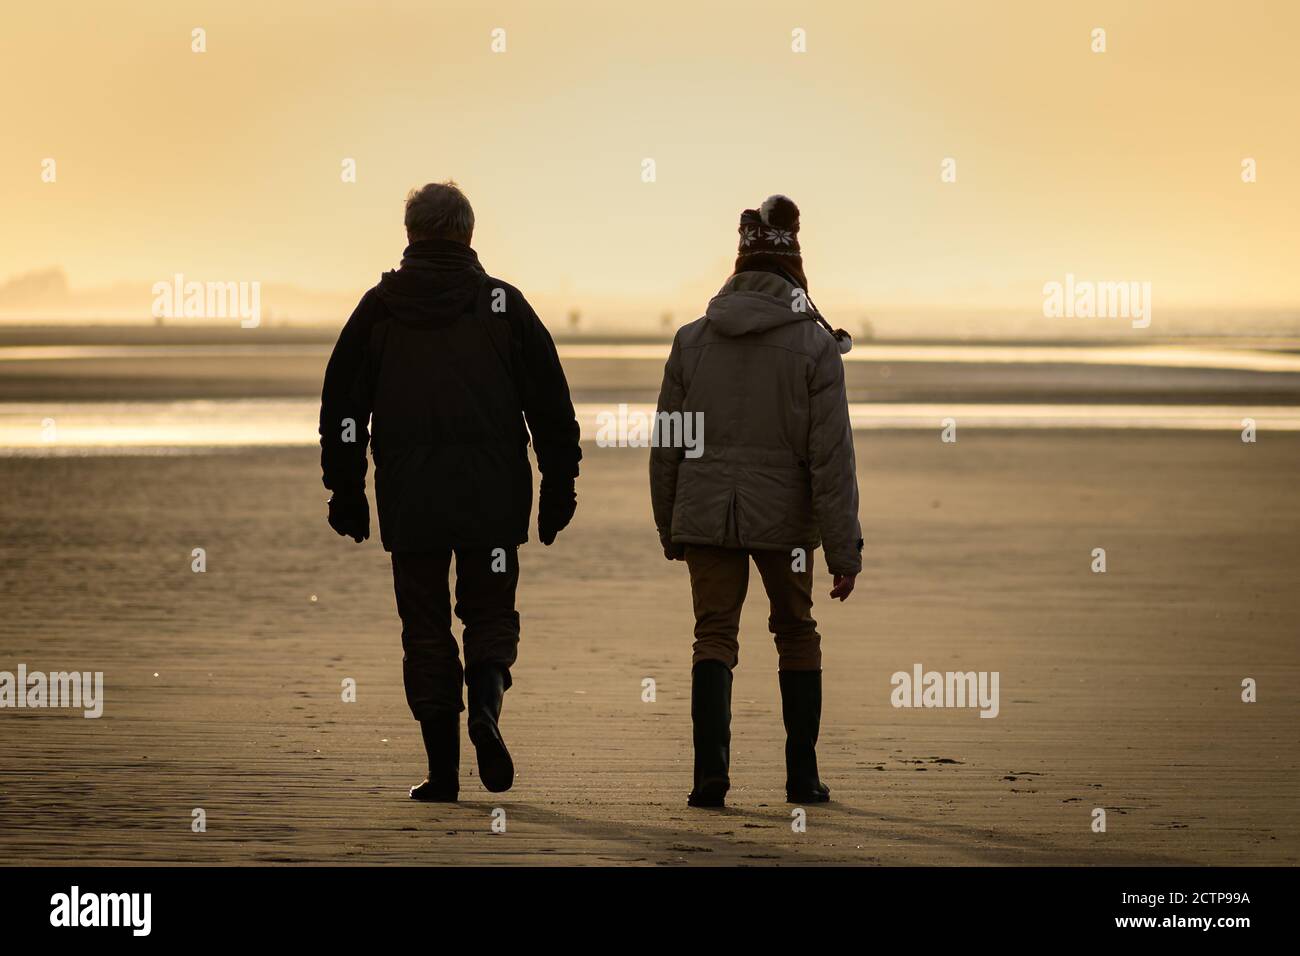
772,228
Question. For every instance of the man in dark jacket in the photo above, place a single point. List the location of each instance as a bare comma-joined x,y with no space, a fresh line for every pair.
444,371
762,371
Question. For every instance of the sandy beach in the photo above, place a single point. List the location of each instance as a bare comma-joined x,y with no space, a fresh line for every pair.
1021,275
1119,690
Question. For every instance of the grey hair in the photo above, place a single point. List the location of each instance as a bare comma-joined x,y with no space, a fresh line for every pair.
439,211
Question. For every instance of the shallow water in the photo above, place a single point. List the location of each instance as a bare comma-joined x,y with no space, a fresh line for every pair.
1153,356
162,427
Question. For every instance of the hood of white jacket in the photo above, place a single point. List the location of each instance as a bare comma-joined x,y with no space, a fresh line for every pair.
754,302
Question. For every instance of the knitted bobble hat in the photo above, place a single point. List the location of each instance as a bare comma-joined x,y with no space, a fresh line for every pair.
771,229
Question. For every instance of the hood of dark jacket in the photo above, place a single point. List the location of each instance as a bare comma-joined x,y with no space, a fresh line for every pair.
438,279
753,302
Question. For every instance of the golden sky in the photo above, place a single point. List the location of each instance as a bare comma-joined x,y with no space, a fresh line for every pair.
225,165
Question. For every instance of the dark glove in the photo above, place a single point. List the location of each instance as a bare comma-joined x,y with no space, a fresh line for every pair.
350,514
556,502
674,552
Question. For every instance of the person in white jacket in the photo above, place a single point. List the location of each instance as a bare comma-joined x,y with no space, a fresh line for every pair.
774,479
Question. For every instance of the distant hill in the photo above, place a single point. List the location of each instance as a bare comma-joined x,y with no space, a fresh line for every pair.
46,295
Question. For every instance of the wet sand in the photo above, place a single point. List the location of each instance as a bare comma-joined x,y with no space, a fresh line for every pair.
1119,691
123,363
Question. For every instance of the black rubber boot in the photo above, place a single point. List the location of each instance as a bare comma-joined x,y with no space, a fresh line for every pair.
442,745
711,724
801,710
487,687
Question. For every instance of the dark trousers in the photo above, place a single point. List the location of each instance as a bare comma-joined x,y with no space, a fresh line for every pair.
486,579
719,582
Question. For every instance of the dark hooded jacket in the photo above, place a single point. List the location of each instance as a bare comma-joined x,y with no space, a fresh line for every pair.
445,371
776,469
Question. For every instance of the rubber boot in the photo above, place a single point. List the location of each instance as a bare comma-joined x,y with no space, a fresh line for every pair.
487,688
711,725
801,710
442,746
